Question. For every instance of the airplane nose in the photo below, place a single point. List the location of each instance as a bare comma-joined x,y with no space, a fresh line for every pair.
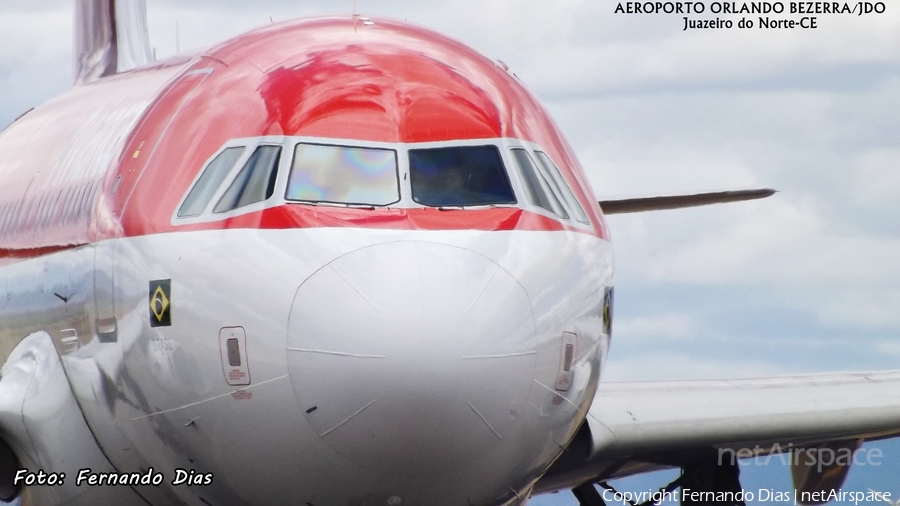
412,358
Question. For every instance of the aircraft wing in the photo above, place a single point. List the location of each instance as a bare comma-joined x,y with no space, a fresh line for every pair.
641,426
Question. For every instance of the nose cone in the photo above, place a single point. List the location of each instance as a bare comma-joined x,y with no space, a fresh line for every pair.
411,358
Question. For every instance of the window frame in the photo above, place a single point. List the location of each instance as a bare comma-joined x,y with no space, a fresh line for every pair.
518,185
559,179
250,144
500,143
504,166
396,149
401,151
237,173
201,174
545,186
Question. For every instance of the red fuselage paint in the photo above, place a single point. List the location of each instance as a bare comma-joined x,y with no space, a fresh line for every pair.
144,135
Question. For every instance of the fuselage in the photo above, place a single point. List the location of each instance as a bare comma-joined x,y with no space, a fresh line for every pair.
349,327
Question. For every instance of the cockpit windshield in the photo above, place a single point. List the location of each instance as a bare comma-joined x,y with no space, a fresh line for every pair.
459,176
344,175
249,174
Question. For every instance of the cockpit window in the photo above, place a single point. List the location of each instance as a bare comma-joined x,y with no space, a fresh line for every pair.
536,186
255,182
209,182
459,176
344,175
559,183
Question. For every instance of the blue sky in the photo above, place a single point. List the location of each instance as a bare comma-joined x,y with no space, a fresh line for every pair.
806,281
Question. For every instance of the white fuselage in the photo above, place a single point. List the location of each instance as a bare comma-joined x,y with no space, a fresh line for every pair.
371,364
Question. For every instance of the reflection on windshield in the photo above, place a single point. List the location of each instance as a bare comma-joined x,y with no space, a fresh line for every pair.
459,176
209,182
255,182
560,183
536,186
345,175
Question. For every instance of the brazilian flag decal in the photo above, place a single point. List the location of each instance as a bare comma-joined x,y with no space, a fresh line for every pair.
161,303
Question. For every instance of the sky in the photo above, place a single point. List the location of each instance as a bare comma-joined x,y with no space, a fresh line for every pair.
805,281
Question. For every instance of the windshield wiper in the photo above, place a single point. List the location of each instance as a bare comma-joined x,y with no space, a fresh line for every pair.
474,206
337,204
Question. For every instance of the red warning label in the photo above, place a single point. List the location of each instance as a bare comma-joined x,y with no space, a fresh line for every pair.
242,394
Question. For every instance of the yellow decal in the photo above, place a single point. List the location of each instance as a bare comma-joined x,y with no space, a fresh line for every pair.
161,303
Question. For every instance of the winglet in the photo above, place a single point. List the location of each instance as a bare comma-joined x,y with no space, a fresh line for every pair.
638,205
110,36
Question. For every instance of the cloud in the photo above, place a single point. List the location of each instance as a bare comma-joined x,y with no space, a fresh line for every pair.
805,281
682,366
673,325
781,242
770,235
652,110
877,181
651,52
35,36
35,57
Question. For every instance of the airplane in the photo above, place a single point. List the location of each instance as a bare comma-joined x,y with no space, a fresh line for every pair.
342,260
